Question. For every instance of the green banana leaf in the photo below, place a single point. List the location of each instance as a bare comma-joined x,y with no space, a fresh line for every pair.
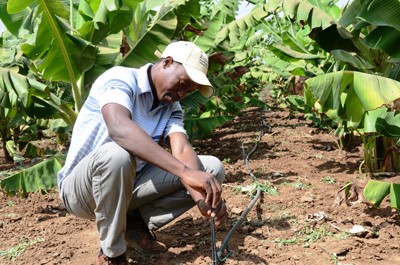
364,92
40,177
60,55
369,123
353,59
235,29
389,125
13,22
304,11
376,191
207,39
47,40
386,39
201,127
382,121
158,35
98,19
325,29
296,54
34,98
61,52
382,13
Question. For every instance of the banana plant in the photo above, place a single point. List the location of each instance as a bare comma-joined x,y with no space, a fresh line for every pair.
23,98
364,99
344,39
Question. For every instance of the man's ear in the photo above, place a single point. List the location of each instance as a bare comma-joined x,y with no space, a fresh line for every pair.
167,62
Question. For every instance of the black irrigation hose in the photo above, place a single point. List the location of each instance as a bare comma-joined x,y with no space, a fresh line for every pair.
214,245
217,256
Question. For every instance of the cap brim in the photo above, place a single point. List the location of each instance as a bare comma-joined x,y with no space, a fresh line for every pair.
206,89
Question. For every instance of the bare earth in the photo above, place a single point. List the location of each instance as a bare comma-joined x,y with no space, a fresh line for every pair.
298,225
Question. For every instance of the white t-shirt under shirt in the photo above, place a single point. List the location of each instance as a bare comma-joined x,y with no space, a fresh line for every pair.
130,88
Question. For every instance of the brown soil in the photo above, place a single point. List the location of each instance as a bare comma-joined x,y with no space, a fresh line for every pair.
298,225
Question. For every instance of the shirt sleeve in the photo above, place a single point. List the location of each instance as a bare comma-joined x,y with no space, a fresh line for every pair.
117,91
175,122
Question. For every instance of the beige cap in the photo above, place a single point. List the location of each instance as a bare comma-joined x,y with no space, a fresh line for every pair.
195,62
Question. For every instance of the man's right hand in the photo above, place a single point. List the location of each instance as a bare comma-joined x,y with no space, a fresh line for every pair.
205,183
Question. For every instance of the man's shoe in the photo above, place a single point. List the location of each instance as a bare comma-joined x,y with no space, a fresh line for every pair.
139,237
104,260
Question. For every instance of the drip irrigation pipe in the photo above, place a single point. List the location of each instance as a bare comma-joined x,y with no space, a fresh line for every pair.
214,245
217,256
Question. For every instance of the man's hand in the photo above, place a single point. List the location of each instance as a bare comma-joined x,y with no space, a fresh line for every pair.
220,213
205,183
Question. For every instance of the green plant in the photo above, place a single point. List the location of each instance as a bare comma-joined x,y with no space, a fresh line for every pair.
310,235
24,243
376,191
226,160
40,177
265,187
361,90
298,185
328,179
281,242
364,69
342,235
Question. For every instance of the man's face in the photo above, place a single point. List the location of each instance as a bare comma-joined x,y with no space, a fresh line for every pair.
174,83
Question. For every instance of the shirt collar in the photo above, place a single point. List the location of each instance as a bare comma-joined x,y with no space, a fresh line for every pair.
143,80
144,83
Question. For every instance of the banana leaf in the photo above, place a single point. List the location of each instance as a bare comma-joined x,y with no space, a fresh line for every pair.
386,39
31,96
353,59
237,29
158,35
296,54
98,19
40,177
304,11
201,127
389,125
364,92
12,22
376,191
60,55
382,13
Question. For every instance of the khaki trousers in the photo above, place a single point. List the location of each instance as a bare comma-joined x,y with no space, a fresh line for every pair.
104,186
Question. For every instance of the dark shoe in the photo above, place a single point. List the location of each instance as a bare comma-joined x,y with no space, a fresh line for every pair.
104,260
139,237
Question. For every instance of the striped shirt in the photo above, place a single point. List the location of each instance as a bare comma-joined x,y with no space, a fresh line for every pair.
130,88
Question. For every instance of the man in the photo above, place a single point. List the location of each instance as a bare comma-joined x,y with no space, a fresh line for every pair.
117,173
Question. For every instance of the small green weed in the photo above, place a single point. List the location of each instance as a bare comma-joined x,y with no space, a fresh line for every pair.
328,179
298,185
265,187
10,203
334,258
226,160
312,235
14,252
342,236
285,241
